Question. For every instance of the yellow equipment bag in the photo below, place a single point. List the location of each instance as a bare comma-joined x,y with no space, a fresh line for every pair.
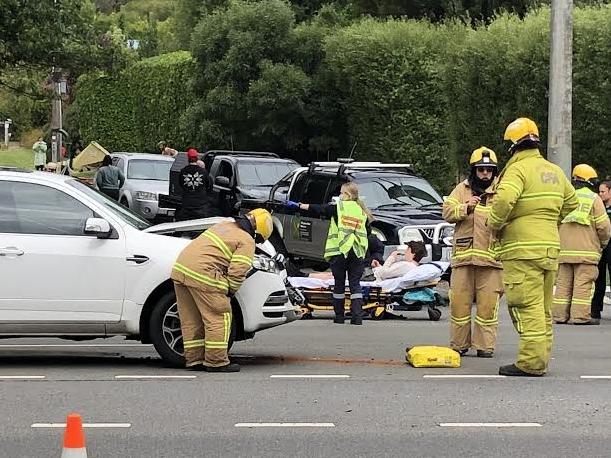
427,356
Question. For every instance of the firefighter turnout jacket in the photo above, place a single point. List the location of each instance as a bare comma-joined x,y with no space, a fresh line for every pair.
533,196
217,260
471,235
585,231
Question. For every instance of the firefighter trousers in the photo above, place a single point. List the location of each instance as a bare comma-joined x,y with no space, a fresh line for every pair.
484,286
574,291
205,320
529,285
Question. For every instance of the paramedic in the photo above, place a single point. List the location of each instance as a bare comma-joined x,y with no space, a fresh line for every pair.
206,274
583,235
346,247
476,275
532,197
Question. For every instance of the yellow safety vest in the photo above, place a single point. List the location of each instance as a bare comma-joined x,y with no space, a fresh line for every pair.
349,233
581,215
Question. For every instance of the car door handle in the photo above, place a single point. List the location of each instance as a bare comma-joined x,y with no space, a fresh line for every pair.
137,258
11,251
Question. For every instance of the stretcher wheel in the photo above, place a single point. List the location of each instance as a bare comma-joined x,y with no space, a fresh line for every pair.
378,313
434,314
306,313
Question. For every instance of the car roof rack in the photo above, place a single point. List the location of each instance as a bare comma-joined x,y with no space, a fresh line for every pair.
343,165
219,152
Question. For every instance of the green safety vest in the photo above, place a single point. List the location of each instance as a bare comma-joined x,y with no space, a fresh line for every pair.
349,233
581,215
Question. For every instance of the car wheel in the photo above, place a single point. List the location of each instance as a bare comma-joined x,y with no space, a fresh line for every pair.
166,333
434,314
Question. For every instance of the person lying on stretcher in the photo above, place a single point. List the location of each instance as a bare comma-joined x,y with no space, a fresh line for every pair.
397,264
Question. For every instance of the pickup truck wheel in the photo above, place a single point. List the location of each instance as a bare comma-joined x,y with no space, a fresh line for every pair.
166,334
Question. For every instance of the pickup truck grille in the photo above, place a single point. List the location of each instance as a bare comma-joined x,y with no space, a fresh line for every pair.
427,234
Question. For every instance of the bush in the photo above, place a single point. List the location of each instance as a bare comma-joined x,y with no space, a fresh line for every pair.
390,75
133,110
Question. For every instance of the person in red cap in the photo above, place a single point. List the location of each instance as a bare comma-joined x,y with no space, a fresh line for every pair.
195,184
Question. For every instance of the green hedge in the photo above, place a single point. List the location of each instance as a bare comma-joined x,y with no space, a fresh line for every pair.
402,90
391,78
135,109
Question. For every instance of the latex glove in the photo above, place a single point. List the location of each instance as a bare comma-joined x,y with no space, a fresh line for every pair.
292,205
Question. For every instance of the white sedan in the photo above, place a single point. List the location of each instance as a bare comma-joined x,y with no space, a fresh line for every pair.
77,265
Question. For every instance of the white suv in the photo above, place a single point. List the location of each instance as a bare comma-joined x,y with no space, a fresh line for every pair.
77,265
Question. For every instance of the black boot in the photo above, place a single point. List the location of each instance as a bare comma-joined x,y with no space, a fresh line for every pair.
593,321
231,367
512,370
356,307
196,367
338,320
356,320
485,354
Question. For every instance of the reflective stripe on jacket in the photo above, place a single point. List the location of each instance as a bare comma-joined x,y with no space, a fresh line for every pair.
471,245
349,233
216,260
532,197
583,243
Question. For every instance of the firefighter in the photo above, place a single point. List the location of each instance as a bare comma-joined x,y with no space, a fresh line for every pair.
476,275
206,274
583,235
532,197
345,248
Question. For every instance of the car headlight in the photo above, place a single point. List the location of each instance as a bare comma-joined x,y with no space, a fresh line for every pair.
408,234
145,195
264,264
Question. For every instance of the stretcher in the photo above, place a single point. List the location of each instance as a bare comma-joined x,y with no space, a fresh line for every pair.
411,292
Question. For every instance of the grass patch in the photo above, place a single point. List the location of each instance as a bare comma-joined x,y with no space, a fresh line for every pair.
17,157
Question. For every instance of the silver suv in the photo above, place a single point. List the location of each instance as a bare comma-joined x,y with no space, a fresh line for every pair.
146,176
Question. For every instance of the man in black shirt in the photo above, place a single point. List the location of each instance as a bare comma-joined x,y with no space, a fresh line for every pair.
195,184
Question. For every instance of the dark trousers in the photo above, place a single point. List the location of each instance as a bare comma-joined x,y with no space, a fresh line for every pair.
353,267
112,193
601,282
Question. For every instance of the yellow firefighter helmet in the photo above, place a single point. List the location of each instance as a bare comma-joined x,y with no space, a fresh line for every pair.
483,157
264,225
522,129
584,172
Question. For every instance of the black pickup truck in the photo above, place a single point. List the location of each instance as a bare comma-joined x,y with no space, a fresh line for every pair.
405,207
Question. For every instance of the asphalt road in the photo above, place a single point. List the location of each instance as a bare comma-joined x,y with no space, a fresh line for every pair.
374,405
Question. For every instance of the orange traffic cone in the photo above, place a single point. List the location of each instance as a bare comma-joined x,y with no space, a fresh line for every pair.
74,438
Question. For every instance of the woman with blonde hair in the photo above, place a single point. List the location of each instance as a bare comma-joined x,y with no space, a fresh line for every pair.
346,247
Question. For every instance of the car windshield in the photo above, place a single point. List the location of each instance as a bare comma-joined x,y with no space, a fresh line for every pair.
148,169
119,210
263,173
393,191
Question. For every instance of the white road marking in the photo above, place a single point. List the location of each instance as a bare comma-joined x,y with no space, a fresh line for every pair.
130,377
285,425
85,425
463,376
596,376
310,376
71,345
22,377
491,425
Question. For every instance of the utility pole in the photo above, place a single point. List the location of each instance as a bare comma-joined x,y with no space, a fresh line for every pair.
559,127
56,116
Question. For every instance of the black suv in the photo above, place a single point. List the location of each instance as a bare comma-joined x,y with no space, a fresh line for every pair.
240,178
405,207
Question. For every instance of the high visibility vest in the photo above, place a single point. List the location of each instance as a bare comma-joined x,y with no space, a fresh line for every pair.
581,215
349,233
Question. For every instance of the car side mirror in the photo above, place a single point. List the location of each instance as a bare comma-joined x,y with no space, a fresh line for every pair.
222,181
98,227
